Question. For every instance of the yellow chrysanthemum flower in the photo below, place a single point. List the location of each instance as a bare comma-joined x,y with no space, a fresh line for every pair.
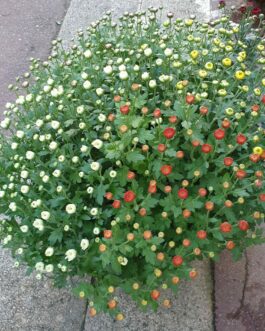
258,150
239,75
194,54
227,62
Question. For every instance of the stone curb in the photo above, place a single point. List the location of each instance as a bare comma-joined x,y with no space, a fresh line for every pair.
192,306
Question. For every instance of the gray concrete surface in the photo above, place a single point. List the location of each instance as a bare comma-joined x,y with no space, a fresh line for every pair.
26,29
191,310
82,12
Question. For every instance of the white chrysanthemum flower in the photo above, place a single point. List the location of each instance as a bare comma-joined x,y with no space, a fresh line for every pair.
152,83
30,155
49,268
96,231
99,91
39,266
84,244
56,173
159,62
88,54
53,145
14,145
82,125
19,251
94,211
97,143
84,149
59,188
95,166
55,125
90,190
80,109
24,228
50,81
24,189
70,208
54,93
12,206
38,224
136,68
75,159
45,215
60,90
45,178
108,70
20,100
49,251
168,52
124,261
47,88
5,123
64,268
102,117
24,174
87,85
70,255
113,173
2,194
148,52
20,134
123,75
61,158
145,76
66,228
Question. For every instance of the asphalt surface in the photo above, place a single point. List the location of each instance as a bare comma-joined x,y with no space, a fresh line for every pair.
26,30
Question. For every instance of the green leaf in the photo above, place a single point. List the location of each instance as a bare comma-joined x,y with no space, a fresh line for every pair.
134,156
55,236
100,192
145,135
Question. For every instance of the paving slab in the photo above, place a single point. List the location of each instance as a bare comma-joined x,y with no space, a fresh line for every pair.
192,307
26,304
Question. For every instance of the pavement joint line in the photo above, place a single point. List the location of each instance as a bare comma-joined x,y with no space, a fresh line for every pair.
212,268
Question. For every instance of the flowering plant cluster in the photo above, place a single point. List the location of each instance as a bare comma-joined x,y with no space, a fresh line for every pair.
134,153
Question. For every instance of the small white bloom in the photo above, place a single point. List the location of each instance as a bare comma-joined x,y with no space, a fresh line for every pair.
96,231
84,149
49,268
97,143
123,75
55,125
64,268
152,83
90,190
87,85
53,145
45,178
24,189
95,166
20,134
50,81
45,215
14,146
20,100
38,224
61,158
59,188
70,208
80,109
5,123
94,211
84,244
168,52
99,91
47,88
30,155
148,52
39,266
49,251
136,68
2,194
108,70
84,75
75,159
102,117
113,173
66,228
88,54
70,255
145,76
13,206
159,62
24,228
54,93
56,173
124,261
24,174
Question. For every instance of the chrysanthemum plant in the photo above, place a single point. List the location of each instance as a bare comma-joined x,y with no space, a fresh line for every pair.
134,153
